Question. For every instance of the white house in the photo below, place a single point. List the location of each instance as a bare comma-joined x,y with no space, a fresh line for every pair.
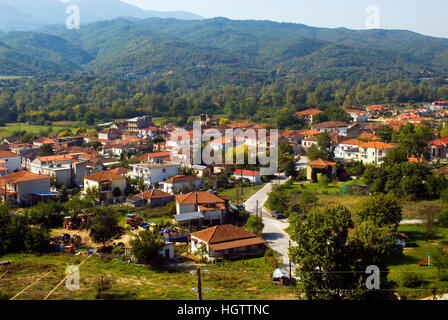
226,241
358,115
177,183
252,176
154,172
204,208
12,161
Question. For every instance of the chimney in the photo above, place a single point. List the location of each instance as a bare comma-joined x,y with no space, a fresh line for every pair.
196,197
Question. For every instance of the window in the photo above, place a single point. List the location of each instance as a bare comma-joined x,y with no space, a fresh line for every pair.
164,170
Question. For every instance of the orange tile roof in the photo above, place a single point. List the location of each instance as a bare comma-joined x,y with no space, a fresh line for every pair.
227,236
120,170
155,194
59,157
309,112
8,154
331,124
311,133
21,176
103,176
181,179
320,163
377,107
240,172
240,125
198,198
369,136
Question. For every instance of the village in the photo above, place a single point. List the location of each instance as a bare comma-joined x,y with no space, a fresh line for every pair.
204,213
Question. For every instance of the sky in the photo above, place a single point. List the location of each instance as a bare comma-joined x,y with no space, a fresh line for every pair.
428,17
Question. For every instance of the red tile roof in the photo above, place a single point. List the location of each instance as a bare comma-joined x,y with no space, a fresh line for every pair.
227,236
103,176
241,172
155,194
198,198
309,112
8,154
21,176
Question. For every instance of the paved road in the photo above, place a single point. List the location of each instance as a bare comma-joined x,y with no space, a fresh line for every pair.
274,230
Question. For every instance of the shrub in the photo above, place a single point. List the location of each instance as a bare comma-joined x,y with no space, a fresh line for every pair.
323,181
272,258
442,219
410,279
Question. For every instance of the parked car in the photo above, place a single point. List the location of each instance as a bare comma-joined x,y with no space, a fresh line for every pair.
278,215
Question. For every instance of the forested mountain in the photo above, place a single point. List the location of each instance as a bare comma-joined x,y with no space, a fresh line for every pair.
221,51
27,15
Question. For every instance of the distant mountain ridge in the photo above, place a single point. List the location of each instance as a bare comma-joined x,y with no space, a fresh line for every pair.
26,15
223,50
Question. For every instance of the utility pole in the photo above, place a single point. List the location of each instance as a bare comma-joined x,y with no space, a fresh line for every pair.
315,199
256,209
198,272
290,267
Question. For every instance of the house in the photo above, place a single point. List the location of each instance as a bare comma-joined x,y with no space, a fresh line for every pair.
136,124
438,148
374,152
331,126
348,150
223,168
358,115
121,171
12,161
156,198
200,171
44,140
155,156
152,173
63,168
111,186
320,166
309,114
181,182
252,176
226,241
310,138
200,208
110,134
25,188
377,110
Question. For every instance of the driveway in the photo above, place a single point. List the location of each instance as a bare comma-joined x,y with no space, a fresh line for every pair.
274,230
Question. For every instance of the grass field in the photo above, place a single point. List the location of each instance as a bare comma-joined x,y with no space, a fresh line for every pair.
247,192
11,128
416,253
247,280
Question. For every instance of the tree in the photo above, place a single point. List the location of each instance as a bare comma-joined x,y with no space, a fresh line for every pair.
255,225
290,169
146,246
324,148
104,226
333,252
385,132
46,150
381,209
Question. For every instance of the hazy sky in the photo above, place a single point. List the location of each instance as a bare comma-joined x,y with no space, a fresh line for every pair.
428,17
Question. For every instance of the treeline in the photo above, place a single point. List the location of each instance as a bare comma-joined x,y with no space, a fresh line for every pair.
85,98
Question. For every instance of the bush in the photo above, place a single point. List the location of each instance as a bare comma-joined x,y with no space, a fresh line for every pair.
323,181
410,279
272,258
442,219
